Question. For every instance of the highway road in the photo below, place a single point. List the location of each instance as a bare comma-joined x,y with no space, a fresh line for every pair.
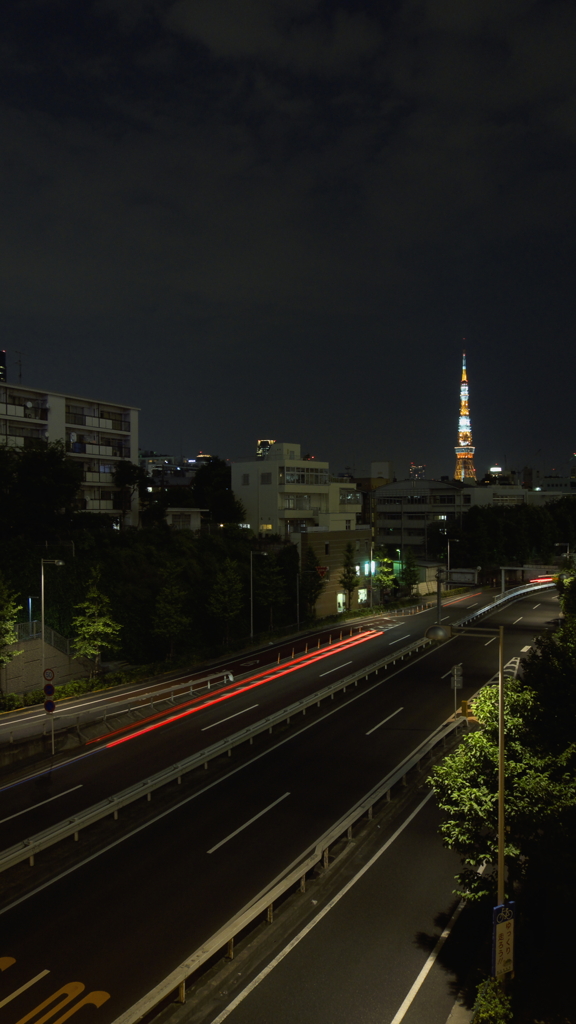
118,923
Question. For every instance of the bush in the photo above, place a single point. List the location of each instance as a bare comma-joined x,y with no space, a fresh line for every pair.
492,1006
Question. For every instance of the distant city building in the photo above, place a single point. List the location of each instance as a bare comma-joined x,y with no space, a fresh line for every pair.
263,447
416,472
464,450
97,434
3,366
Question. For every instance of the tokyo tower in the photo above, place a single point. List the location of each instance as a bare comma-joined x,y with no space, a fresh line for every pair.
464,449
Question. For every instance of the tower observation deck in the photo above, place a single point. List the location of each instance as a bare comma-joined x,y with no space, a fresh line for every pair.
464,450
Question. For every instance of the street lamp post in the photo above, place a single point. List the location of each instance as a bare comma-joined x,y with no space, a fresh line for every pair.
439,632
453,540
44,561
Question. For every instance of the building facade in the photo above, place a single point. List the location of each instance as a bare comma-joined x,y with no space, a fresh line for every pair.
97,434
285,494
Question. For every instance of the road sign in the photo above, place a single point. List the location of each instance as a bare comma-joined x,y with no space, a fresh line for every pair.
456,682
322,569
503,939
469,576
49,674
49,706
49,689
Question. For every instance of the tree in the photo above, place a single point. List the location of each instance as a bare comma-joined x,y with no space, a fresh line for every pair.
170,622
129,478
409,573
384,576
8,614
213,490
39,488
93,625
568,596
311,583
540,794
269,585
348,578
226,598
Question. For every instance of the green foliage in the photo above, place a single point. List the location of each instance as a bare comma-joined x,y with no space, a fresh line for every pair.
129,478
213,490
269,585
8,617
540,774
492,1005
311,583
348,578
38,489
384,576
409,573
226,596
568,596
170,621
93,625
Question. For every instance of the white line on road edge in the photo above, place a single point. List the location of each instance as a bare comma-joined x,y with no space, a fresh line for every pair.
301,935
517,620
235,715
399,1016
398,639
23,988
41,804
373,729
246,823
335,669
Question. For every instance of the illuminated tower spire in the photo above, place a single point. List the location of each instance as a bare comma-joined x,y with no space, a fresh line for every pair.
464,449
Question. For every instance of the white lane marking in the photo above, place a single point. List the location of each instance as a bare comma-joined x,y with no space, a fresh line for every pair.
444,617
23,988
399,638
517,620
199,792
401,1013
373,729
396,624
41,804
490,641
524,649
335,669
246,823
535,607
446,674
312,924
251,708
475,605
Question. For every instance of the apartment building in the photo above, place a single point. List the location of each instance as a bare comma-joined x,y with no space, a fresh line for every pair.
285,494
97,434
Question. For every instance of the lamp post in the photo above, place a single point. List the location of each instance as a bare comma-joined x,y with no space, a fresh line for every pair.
263,553
44,561
453,540
439,632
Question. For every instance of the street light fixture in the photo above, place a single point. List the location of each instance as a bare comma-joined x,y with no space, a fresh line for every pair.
44,561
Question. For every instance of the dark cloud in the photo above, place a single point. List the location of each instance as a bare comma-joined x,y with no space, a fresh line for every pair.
291,213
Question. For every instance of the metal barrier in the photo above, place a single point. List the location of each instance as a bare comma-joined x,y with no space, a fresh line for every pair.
296,872
28,848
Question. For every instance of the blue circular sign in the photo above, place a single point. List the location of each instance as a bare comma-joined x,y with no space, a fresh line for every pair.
49,689
49,706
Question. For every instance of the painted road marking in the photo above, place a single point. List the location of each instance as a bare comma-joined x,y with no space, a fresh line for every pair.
23,988
246,823
517,620
335,669
373,729
41,804
489,641
444,617
251,708
524,649
401,1013
312,924
399,638
475,605
535,607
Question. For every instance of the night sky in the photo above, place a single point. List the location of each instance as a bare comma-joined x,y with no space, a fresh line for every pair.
280,218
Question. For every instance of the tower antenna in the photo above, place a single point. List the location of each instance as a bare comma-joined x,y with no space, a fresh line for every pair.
464,450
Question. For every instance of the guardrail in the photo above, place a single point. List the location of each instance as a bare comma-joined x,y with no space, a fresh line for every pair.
316,853
28,848
511,595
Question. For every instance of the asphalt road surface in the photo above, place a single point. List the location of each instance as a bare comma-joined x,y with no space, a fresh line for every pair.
119,923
